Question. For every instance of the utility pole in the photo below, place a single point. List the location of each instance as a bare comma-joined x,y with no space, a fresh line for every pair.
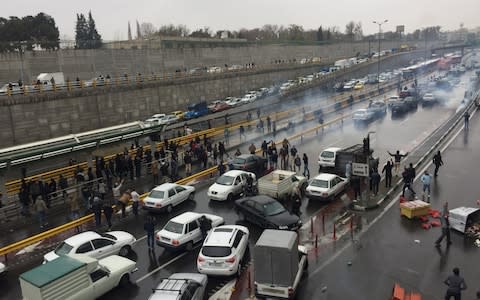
378,53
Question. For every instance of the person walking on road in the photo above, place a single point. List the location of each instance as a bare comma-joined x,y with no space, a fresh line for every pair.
205,226
375,177
108,212
466,118
397,158
445,229
135,201
41,209
426,179
456,284
437,161
306,171
387,169
149,227
407,182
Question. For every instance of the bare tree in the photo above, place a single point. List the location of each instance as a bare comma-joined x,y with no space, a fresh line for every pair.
358,31
147,29
349,30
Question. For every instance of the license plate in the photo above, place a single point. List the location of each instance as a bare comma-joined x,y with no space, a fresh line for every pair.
215,264
165,239
273,291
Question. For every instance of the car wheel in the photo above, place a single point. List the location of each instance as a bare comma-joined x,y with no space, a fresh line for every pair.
169,208
124,251
229,197
189,246
125,280
191,197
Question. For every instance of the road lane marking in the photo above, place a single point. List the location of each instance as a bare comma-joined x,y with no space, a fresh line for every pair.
160,267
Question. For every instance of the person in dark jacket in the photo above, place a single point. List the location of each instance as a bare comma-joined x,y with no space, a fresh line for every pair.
205,226
375,176
456,284
149,227
407,182
437,161
387,169
356,186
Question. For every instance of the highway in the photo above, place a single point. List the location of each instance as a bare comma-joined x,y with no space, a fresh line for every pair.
404,133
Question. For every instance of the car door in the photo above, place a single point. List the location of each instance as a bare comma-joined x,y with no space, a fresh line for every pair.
103,248
182,193
193,231
172,197
333,186
260,217
239,244
101,282
237,185
340,184
249,210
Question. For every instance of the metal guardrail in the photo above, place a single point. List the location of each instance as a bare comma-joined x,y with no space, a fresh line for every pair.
207,172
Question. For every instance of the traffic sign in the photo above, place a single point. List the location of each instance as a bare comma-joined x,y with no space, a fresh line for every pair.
360,169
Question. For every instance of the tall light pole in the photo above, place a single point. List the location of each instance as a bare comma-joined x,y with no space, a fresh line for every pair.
379,36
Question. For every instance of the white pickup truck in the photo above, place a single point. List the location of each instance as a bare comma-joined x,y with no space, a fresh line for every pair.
280,184
78,278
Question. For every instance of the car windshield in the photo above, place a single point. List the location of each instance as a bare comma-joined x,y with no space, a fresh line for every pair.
225,180
174,227
215,251
157,194
327,154
319,183
63,249
360,113
108,236
273,208
239,161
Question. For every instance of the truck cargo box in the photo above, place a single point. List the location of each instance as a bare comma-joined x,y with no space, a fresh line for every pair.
276,257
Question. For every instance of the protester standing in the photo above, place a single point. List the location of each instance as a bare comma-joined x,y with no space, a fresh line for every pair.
445,229
397,158
456,284
388,174
41,209
437,161
306,171
149,227
426,179
135,201
375,177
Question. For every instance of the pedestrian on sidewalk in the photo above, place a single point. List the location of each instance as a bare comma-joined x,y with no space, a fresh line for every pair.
426,179
356,187
149,227
375,176
456,284
108,212
397,158
293,155
437,161
445,229
135,201
466,118
97,210
41,209
258,113
306,171
187,159
388,174
264,149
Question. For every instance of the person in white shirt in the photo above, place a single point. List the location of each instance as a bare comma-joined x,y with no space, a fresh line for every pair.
135,200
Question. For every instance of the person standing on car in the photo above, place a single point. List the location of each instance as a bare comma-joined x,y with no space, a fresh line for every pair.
437,161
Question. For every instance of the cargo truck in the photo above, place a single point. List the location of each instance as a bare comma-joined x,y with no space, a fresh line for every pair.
280,184
335,160
76,278
279,263
51,78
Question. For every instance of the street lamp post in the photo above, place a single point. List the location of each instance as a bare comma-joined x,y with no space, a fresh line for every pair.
379,35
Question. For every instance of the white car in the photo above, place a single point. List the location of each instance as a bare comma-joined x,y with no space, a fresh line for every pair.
363,116
223,251
96,245
249,98
229,185
183,231
165,196
428,99
327,157
181,286
325,186
3,268
233,101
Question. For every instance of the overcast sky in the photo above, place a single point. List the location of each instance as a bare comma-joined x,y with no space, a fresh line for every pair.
112,16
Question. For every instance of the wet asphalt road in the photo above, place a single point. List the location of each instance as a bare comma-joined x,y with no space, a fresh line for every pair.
403,133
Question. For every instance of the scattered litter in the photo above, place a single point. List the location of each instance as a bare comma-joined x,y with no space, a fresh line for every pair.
349,263
324,289
426,226
424,218
435,223
417,241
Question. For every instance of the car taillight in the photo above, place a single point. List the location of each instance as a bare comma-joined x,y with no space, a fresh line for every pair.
175,242
230,260
158,237
200,259
290,291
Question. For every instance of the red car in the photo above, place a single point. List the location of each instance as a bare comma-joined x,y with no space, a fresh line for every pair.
220,106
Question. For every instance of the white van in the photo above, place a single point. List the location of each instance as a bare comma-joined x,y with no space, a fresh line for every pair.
461,218
327,157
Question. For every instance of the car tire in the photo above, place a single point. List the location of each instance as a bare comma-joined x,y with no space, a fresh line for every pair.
191,197
230,197
189,246
169,208
124,251
125,280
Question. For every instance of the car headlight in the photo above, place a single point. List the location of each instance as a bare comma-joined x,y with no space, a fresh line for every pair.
282,227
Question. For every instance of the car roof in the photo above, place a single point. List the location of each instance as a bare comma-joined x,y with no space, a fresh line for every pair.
222,235
165,186
332,149
235,173
173,287
186,217
244,156
80,238
325,176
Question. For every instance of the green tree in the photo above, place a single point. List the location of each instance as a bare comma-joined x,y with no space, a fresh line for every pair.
320,34
94,37
86,34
